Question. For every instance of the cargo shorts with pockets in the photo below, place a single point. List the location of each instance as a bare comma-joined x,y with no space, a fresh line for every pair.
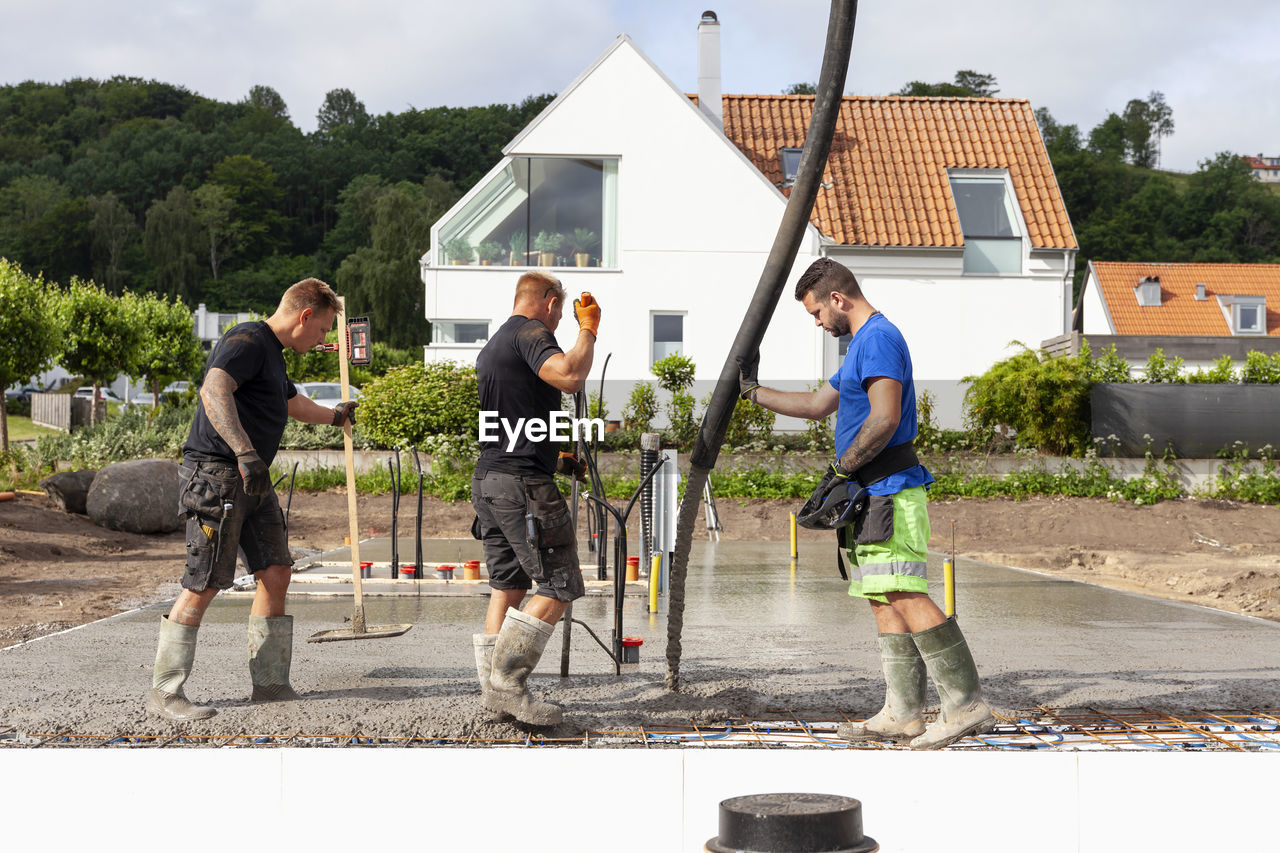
503,503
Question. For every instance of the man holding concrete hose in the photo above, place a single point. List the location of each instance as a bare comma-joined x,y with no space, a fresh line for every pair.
226,494
521,517
874,496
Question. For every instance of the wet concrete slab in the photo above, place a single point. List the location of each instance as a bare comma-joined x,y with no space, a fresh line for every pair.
758,635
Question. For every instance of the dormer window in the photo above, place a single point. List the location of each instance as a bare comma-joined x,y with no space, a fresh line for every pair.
989,220
1247,315
790,164
1148,291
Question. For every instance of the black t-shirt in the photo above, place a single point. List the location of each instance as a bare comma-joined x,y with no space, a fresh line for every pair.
507,373
252,355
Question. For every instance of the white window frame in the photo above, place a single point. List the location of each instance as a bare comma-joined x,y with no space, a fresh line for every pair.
1231,305
497,181
435,321
1015,208
684,331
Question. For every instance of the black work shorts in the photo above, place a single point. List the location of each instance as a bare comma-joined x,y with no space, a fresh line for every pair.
501,502
222,520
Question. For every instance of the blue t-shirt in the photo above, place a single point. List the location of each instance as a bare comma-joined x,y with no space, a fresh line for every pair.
877,350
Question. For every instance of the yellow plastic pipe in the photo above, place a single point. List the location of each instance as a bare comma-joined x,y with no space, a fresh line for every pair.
949,585
794,553
654,570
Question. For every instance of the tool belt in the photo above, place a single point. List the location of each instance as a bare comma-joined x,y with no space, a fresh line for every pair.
886,463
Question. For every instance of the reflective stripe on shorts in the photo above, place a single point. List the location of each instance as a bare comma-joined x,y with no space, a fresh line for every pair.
896,565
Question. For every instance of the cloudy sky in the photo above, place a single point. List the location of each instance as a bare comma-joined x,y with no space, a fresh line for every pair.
1217,71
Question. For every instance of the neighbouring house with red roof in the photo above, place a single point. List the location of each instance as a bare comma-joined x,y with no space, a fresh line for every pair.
1198,312
1265,169
665,206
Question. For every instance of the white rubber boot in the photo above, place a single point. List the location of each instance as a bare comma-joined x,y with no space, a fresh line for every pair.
484,666
519,645
951,666
175,653
902,716
270,656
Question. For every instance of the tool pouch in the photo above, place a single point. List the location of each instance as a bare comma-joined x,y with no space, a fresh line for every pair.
202,492
550,525
875,523
477,532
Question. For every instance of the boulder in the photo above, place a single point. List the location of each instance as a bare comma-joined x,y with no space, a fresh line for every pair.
69,489
138,496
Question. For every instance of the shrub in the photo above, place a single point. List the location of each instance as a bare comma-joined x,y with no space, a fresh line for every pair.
1045,400
641,408
1163,371
1222,373
684,422
1260,369
750,425
417,402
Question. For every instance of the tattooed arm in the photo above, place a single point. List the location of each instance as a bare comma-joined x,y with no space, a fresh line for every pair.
220,408
885,396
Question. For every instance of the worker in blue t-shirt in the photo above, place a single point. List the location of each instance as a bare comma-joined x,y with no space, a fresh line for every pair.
885,537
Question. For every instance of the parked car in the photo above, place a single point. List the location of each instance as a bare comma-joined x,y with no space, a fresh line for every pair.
326,393
145,400
105,394
179,387
22,395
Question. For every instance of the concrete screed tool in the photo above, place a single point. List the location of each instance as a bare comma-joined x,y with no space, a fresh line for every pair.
358,629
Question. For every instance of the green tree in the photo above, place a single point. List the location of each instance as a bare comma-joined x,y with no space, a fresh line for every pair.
381,279
341,110
801,89
1108,141
251,185
31,323
173,243
268,100
113,231
221,235
168,349
99,337
967,84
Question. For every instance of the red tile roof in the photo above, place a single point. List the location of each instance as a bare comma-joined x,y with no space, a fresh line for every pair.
886,177
1179,312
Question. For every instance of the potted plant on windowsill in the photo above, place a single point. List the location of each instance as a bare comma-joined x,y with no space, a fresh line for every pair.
519,243
580,244
547,246
490,252
458,251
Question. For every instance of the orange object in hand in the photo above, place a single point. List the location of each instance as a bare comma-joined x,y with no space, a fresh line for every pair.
587,310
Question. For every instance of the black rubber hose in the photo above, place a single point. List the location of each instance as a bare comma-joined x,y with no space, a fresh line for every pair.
795,219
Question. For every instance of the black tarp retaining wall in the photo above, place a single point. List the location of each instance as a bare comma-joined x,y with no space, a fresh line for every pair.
1195,421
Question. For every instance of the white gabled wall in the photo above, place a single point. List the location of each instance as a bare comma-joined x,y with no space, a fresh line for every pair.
695,224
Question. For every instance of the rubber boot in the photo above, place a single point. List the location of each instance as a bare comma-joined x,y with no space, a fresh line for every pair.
175,653
270,655
902,716
516,652
484,665
951,666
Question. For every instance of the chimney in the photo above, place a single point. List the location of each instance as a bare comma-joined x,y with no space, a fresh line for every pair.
1201,296
1148,291
709,68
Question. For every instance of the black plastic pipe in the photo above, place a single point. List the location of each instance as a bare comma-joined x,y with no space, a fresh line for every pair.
795,219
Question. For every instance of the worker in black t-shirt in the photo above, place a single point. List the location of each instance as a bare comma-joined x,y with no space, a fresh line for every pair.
227,497
523,520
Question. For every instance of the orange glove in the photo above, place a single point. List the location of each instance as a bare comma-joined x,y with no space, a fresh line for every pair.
587,310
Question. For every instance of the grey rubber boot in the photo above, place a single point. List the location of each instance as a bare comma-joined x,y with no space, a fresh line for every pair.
175,653
270,655
902,716
951,666
484,665
516,652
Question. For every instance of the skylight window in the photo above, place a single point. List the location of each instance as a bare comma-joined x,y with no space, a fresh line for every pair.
790,164
989,221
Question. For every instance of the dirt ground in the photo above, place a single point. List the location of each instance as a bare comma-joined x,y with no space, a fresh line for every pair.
59,570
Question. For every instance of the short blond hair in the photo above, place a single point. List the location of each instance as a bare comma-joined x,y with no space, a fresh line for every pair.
538,285
309,293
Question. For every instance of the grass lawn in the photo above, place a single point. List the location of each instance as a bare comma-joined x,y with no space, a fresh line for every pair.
21,429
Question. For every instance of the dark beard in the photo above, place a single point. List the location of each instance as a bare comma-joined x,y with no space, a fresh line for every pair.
840,326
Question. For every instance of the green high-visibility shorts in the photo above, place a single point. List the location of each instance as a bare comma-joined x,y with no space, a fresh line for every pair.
895,563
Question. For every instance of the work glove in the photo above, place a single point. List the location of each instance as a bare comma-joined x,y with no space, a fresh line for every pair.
833,477
747,381
254,472
587,310
345,412
571,466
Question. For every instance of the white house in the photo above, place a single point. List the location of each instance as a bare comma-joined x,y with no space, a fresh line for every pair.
1198,312
946,209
